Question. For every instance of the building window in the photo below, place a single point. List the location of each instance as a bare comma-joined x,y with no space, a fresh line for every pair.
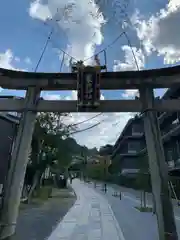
133,147
170,160
171,164
178,162
169,155
137,129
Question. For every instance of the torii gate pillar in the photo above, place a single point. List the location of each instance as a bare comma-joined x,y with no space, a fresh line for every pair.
158,168
19,161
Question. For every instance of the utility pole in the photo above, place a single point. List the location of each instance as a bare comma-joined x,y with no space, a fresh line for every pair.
158,168
19,161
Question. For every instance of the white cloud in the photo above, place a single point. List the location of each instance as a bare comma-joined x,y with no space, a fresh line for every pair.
17,59
129,62
40,11
73,96
160,33
81,20
130,93
28,61
6,61
106,132
51,97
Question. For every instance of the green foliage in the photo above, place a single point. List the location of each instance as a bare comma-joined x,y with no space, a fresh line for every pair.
50,143
106,150
98,171
95,172
144,209
44,192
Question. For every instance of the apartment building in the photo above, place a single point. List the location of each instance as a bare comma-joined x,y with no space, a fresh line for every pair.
131,144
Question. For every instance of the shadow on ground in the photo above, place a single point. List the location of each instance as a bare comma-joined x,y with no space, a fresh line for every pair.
37,220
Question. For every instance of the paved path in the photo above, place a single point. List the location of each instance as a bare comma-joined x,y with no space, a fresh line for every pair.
134,224
91,218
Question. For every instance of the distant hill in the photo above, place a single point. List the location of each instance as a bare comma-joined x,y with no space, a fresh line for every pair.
76,148
106,150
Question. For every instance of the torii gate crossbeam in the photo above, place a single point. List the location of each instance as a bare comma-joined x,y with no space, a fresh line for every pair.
156,78
18,105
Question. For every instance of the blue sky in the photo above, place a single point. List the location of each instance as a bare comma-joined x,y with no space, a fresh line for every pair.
24,34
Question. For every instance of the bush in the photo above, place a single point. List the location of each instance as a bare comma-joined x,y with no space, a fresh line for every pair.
44,192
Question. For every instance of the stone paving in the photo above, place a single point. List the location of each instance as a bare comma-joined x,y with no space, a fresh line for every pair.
91,218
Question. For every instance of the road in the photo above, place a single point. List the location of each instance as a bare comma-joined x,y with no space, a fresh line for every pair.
134,224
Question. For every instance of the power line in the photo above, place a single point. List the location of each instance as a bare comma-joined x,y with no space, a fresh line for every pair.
97,115
82,130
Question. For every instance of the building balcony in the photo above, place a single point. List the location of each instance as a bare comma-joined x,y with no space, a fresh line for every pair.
137,137
129,172
173,130
163,116
128,154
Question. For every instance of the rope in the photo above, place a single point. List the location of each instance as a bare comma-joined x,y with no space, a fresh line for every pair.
44,49
129,43
108,46
105,59
62,62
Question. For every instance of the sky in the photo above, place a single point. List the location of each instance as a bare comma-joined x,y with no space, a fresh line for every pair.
82,28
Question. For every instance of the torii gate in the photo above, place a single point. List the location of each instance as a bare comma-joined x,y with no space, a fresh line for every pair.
145,81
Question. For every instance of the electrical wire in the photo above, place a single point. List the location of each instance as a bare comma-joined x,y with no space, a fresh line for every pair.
97,115
82,130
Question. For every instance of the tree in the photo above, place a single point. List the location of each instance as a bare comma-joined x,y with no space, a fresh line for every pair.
52,147
98,170
48,145
106,150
